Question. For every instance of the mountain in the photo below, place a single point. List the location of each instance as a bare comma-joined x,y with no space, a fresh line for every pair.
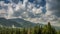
23,22
16,22
6,22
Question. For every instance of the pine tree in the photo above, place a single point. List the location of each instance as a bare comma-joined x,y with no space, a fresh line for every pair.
24,31
37,29
51,30
30,30
17,31
40,29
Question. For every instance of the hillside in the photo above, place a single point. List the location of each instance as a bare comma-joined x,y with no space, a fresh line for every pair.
16,22
23,22
6,22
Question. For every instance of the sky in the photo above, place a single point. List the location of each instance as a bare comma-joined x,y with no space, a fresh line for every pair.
37,11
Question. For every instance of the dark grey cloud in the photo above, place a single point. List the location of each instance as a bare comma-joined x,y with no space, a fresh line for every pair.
0,7
54,7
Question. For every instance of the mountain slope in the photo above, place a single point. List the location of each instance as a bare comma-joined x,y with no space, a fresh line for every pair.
6,22
16,22
23,22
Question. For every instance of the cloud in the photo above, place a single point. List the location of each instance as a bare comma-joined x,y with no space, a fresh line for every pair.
51,15
53,11
6,9
39,11
53,7
25,9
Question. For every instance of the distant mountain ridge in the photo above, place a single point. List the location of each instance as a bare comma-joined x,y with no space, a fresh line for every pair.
17,22
6,22
23,22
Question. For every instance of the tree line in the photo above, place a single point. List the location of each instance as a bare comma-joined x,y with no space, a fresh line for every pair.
46,29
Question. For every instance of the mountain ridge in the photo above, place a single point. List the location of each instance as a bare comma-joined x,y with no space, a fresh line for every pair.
17,22
23,22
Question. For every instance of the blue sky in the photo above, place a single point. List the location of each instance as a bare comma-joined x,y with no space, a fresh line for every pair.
41,2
